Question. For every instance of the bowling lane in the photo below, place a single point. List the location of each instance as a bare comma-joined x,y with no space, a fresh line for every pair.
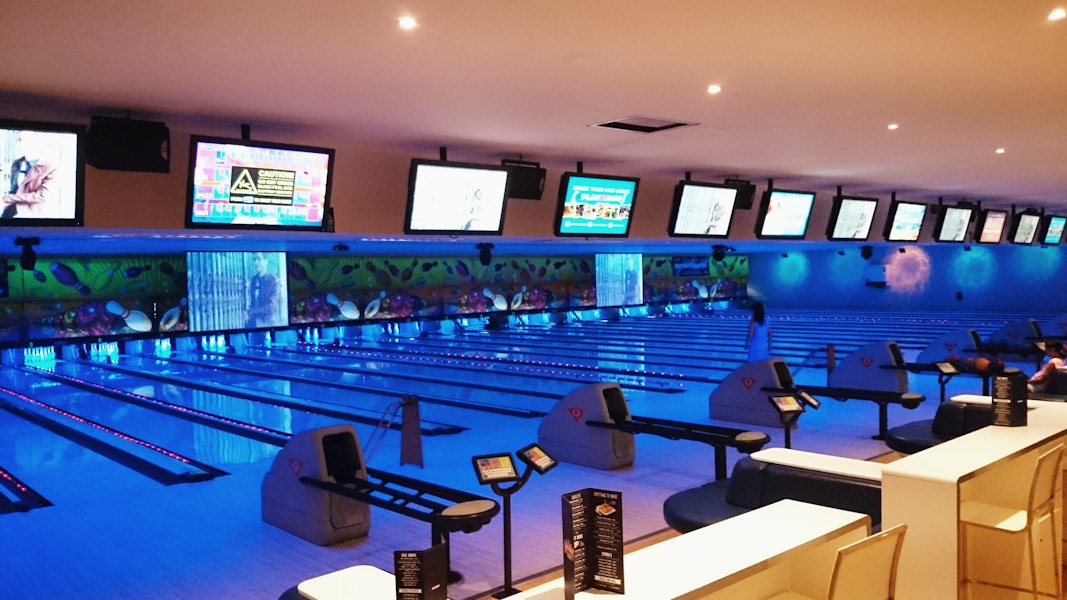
486,381
210,388
82,443
545,347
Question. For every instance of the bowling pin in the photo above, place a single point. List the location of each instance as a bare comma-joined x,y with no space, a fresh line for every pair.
347,308
702,289
499,301
516,300
137,320
66,276
171,316
374,305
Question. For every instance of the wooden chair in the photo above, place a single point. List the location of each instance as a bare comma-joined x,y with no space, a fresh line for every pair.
1013,522
864,570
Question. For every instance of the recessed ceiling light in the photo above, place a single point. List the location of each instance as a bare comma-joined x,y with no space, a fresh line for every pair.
407,22
1057,14
893,127
1001,151
714,89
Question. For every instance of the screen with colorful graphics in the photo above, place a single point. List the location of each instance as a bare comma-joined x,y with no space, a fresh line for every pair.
1053,232
595,205
257,185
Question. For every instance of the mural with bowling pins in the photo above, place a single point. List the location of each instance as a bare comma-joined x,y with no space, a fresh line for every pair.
667,279
344,289
325,289
67,297
70,297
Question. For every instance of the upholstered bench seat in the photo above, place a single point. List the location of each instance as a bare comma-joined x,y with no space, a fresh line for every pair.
837,482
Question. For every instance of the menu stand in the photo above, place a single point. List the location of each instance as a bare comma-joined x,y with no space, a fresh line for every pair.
497,469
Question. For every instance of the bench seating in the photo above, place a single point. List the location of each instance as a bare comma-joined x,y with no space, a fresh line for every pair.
951,420
775,474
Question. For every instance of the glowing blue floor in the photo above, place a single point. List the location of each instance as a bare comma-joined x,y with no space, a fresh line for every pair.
117,531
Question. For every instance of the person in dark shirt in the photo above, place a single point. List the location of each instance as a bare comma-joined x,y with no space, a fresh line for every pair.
264,295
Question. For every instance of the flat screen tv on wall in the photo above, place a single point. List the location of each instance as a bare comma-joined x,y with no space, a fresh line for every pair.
989,228
953,223
702,210
1024,228
904,222
455,198
784,214
595,205
851,218
42,181
1052,229
244,184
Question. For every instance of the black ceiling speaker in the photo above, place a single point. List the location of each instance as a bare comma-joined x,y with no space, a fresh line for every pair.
116,144
526,180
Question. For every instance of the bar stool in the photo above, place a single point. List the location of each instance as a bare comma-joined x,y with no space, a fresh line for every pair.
1013,522
864,570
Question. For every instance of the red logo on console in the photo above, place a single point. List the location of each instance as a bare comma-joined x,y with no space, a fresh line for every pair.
867,361
296,465
748,382
576,413
1013,334
950,346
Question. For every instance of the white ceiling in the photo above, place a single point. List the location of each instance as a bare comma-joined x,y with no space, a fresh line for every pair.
809,88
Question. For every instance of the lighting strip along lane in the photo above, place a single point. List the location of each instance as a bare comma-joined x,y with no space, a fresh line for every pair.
194,471
241,428
28,498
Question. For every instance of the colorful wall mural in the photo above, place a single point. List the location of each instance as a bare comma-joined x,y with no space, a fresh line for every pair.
110,296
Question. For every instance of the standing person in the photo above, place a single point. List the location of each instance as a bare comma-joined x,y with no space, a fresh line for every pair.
759,334
264,295
1040,380
32,180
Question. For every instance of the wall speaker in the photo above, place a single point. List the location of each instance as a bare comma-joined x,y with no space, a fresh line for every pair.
117,144
746,191
526,180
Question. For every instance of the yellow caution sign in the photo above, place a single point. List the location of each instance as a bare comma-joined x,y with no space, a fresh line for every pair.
243,185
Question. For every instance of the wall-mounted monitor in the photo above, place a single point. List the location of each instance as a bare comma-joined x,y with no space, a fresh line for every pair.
1024,228
851,218
455,198
242,184
1052,229
904,221
990,225
237,290
784,214
42,180
952,223
702,210
595,205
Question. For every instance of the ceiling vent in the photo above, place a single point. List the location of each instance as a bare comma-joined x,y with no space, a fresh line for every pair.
643,124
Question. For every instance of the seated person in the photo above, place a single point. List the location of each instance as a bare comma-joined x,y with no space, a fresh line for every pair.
1040,380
